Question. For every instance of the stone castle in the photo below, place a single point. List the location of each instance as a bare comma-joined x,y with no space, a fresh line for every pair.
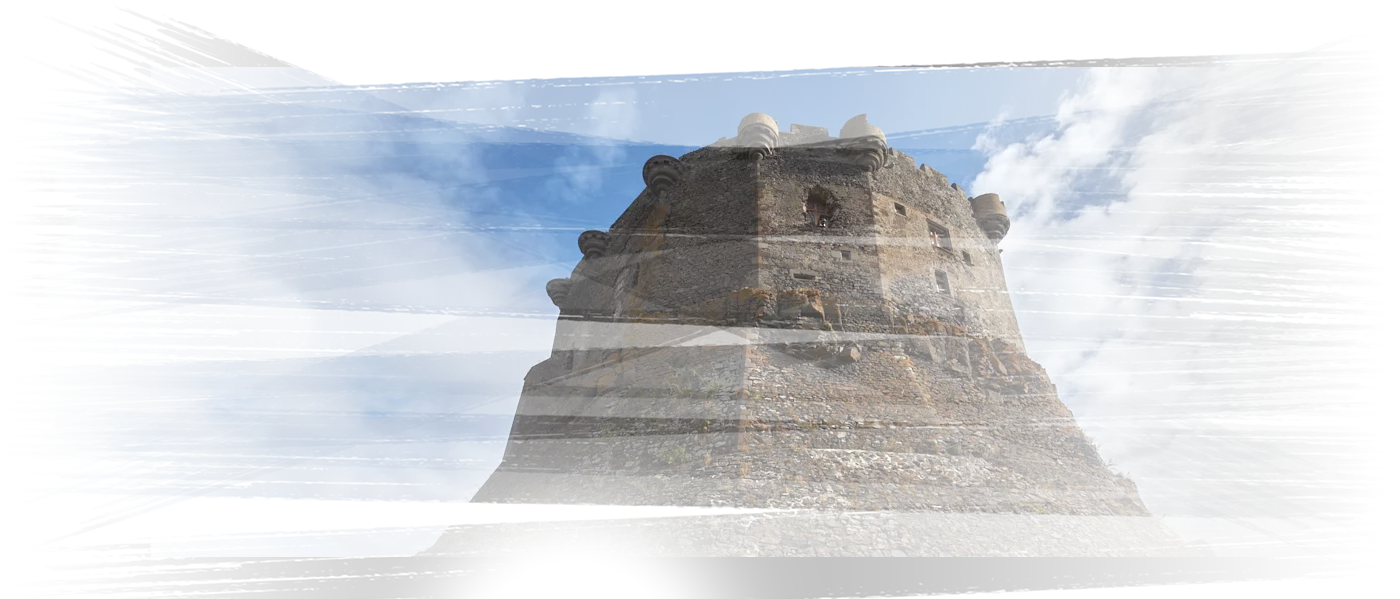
795,321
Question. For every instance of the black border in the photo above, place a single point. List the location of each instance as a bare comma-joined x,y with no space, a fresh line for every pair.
52,48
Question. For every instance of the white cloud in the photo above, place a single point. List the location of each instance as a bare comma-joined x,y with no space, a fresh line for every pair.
599,143
1229,405
987,139
251,235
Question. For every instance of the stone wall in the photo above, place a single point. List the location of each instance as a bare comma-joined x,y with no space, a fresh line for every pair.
809,503
978,298
668,258
838,260
694,244
945,423
938,445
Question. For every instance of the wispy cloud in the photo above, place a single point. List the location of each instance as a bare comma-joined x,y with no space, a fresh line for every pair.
457,128
599,143
986,140
277,297
1206,393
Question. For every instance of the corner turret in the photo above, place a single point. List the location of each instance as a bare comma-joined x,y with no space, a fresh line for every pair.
991,216
864,144
661,173
557,290
758,136
593,244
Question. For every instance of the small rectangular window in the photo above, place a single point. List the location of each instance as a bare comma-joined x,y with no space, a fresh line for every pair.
938,236
967,258
804,276
941,279
899,209
845,254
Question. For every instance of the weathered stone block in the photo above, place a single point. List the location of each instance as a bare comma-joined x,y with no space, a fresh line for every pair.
850,354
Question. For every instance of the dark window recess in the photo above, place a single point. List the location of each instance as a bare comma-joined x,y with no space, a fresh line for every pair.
819,208
967,258
804,276
941,279
938,236
899,209
845,254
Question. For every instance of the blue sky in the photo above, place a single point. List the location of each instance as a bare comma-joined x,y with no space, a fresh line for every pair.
329,361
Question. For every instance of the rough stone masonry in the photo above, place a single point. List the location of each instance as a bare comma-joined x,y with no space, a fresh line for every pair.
801,322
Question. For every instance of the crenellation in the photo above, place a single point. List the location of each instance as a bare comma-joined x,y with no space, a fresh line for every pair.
904,161
791,319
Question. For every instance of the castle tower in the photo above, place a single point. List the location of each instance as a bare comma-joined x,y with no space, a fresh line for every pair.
794,320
